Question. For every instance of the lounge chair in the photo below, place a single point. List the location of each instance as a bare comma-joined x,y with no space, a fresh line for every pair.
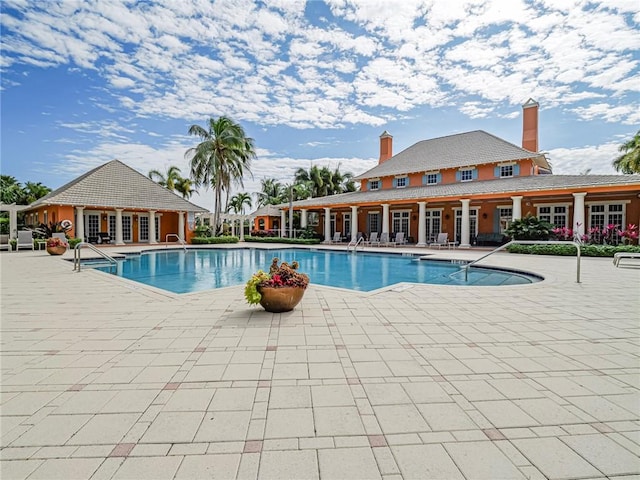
384,239
337,238
373,239
25,239
617,257
5,242
441,241
399,240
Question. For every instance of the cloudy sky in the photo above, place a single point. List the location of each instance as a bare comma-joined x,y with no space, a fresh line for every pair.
313,82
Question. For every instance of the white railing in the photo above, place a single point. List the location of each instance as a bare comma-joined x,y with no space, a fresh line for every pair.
355,243
77,260
465,268
180,241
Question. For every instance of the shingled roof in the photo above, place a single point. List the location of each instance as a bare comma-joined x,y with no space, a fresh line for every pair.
454,151
117,185
502,186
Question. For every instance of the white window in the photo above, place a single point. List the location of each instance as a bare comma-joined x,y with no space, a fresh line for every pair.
473,223
401,182
374,222
466,175
554,214
432,178
603,215
374,185
434,224
506,215
143,228
126,228
400,222
506,171
346,224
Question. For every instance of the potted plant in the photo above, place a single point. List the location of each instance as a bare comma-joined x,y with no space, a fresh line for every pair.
55,246
280,290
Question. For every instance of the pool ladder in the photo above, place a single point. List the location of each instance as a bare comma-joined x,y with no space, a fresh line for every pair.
77,260
180,241
355,243
465,268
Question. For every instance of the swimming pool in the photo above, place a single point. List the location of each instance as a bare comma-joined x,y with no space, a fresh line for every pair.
181,271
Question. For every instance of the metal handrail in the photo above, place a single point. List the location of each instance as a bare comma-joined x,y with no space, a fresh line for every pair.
180,241
77,260
355,244
529,242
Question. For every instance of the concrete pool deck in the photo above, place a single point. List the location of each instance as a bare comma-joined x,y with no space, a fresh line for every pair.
104,378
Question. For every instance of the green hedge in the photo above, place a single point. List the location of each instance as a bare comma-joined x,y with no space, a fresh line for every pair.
212,240
299,241
585,250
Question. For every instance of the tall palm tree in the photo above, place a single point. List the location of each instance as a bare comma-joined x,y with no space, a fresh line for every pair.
238,202
629,161
321,181
173,180
184,187
221,159
271,192
314,180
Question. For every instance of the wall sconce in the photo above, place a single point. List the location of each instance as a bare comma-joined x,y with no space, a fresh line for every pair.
414,217
446,216
484,215
104,217
135,217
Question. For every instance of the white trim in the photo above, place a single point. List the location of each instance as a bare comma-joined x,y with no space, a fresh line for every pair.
537,205
606,202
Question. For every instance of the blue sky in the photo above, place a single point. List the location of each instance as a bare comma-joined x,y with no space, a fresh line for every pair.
84,82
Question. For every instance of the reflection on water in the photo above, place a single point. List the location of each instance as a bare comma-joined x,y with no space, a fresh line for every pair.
182,271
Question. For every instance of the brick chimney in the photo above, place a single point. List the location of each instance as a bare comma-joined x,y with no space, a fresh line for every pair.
530,125
386,147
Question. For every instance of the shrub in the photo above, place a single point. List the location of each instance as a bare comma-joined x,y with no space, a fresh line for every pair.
570,250
73,242
214,240
283,275
529,228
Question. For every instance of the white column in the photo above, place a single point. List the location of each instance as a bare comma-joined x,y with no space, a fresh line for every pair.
152,227
354,222
303,218
385,218
422,224
13,223
80,223
283,226
516,208
242,228
578,213
327,225
181,226
119,240
464,230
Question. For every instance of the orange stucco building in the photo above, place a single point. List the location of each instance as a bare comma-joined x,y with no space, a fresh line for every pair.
116,200
470,186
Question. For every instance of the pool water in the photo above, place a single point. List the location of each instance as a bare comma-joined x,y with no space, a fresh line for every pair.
181,271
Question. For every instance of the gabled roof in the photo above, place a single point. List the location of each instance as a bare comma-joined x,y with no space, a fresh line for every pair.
267,211
117,185
454,151
500,186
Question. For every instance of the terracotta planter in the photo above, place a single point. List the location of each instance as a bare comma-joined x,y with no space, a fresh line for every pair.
56,250
280,299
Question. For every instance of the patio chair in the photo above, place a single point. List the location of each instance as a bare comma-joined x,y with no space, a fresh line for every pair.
441,241
373,239
384,239
399,240
103,237
25,239
337,237
5,242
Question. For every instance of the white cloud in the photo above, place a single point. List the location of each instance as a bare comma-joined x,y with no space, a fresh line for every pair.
596,158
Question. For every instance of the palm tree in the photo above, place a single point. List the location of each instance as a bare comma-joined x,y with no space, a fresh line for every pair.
629,161
10,189
173,180
183,187
238,202
271,192
221,159
32,191
322,181
314,180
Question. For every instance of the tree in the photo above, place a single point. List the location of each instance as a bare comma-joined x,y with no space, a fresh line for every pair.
173,180
10,189
238,202
271,192
221,159
322,181
629,161
32,191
